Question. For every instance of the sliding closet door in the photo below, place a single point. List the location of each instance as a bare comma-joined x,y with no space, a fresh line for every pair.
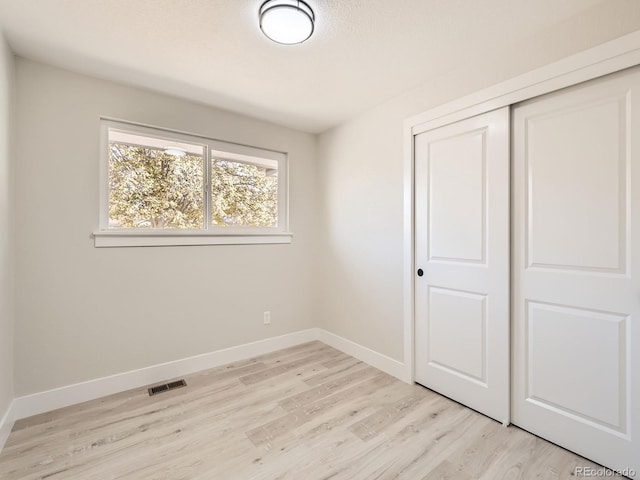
462,255
576,269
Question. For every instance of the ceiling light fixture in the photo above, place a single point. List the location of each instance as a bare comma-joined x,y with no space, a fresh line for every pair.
175,151
287,21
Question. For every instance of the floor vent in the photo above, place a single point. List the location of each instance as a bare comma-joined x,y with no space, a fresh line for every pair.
165,387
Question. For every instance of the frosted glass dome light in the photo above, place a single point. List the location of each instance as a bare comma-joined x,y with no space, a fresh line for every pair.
175,151
287,21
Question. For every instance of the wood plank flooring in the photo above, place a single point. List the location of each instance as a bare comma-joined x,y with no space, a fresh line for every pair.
305,413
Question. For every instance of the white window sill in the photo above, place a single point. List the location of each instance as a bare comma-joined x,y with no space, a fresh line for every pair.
118,238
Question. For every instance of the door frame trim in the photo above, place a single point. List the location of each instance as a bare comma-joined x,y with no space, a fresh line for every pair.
609,57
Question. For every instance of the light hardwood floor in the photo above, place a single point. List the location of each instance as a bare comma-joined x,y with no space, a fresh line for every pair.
305,413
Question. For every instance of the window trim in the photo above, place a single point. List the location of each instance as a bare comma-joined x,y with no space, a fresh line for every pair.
209,235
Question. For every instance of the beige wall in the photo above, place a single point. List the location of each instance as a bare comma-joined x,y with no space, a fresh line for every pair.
6,257
85,312
361,179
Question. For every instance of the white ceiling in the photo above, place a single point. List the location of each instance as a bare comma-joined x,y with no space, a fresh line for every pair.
362,53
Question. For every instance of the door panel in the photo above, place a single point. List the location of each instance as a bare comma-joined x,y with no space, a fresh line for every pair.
562,374
577,179
462,244
457,190
458,318
576,269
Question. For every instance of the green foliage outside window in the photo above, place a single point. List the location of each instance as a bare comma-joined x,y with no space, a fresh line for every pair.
242,195
149,188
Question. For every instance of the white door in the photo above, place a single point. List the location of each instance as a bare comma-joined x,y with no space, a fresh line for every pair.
462,249
576,267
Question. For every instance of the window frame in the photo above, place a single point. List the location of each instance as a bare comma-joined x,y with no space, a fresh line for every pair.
208,235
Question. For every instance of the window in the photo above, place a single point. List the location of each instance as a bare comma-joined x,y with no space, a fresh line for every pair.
160,187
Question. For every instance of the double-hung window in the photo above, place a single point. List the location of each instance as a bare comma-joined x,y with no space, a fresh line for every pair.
160,187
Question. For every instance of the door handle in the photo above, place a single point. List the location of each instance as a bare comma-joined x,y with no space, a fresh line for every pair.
420,272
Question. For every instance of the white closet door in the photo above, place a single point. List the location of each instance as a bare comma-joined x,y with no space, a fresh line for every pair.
576,267
462,247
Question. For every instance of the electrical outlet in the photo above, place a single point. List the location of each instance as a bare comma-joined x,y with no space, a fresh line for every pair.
267,318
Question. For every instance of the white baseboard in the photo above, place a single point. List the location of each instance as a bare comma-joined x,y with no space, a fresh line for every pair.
42,402
6,424
373,358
